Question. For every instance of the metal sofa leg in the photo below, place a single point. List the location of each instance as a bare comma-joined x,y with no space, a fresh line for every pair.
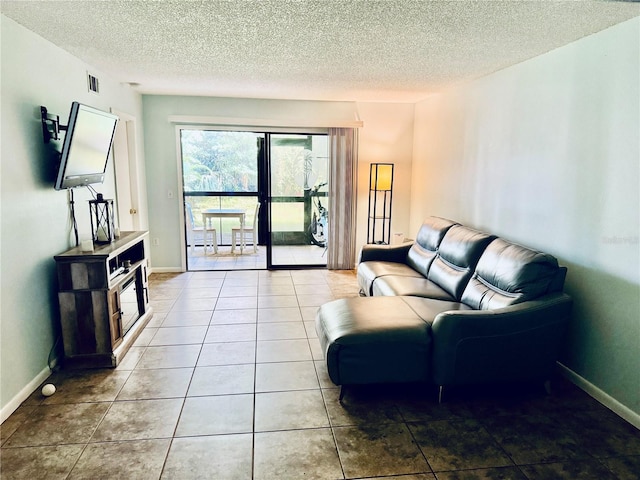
440,393
343,390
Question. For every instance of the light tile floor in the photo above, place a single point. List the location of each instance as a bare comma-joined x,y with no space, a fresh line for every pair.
282,255
228,382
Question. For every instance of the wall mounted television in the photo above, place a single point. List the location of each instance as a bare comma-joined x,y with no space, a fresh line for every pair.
86,147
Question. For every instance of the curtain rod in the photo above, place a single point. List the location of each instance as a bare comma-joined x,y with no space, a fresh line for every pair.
263,122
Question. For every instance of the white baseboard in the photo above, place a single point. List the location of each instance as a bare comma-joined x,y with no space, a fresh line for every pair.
23,394
604,398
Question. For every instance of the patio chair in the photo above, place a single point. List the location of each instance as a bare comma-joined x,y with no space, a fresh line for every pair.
206,231
240,234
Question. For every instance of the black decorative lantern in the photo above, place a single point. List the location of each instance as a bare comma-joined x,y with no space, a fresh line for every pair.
102,225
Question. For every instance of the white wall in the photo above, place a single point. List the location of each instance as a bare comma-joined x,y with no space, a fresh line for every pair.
386,136
34,217
546,153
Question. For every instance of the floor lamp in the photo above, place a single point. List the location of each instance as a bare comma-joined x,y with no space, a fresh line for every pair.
380,196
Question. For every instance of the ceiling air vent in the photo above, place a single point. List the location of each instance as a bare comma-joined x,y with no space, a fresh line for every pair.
93,83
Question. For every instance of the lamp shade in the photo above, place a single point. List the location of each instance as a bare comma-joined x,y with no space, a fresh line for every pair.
381,176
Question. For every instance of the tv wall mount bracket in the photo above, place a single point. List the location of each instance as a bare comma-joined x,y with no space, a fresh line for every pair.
51,127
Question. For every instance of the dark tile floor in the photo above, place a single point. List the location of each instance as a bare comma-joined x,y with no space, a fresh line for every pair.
227,382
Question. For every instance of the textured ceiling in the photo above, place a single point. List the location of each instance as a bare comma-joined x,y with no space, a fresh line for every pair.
400,50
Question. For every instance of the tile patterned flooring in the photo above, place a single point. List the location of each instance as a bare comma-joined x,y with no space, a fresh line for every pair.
287,255
227,382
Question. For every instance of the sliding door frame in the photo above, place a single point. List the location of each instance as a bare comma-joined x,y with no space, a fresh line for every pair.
264,184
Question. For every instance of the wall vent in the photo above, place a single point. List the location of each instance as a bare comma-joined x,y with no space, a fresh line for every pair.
93,83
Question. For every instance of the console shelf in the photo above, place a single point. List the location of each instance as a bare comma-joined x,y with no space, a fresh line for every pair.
104,300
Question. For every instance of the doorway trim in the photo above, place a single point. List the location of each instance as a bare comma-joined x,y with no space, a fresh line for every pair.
128,174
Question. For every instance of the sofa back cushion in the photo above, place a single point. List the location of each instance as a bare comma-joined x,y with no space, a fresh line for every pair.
508,273
425,248
457,257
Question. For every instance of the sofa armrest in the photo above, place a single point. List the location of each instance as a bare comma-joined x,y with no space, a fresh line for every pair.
518,342
385,253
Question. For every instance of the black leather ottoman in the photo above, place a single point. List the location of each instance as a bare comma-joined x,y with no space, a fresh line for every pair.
373,340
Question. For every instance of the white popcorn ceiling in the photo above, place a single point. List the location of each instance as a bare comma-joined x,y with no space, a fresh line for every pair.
400,50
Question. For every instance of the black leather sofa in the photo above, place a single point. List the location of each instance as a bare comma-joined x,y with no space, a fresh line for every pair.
456,306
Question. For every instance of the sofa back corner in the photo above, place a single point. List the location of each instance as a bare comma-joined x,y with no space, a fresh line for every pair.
556,285
508,273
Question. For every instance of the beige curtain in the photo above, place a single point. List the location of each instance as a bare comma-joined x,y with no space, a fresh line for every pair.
343,159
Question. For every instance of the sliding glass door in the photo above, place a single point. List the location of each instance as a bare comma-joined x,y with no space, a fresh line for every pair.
277,183
223,182
298,201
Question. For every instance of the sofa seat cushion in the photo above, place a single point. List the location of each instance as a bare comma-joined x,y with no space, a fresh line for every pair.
428,308
393,285
373,340
369,271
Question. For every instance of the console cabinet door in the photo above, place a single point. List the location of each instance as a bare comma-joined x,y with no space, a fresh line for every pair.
115,317
145,287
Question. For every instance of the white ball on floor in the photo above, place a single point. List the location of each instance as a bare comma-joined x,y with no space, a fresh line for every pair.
48,390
